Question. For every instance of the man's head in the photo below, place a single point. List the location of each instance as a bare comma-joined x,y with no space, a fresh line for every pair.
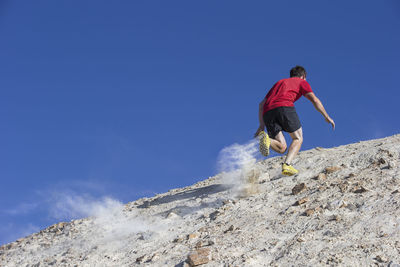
298,71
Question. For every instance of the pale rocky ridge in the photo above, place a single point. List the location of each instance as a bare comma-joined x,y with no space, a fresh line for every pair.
342,209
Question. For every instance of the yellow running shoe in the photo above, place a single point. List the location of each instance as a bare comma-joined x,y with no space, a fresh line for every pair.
288,170
264,143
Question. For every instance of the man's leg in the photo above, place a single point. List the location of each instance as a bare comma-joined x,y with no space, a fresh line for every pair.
297,140
278,143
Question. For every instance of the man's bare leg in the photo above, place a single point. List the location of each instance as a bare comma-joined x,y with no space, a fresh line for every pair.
278,143
297,140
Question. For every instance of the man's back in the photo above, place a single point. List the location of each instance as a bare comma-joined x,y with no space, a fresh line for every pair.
285,92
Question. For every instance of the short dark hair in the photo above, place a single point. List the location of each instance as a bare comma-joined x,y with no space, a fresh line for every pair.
298,71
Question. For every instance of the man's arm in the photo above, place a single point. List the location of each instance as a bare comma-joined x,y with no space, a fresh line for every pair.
318,106
260,118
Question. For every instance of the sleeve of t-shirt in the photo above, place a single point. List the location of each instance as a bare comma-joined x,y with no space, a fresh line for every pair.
305,88
270,91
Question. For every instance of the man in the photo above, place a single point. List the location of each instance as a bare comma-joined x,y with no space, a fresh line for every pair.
277,113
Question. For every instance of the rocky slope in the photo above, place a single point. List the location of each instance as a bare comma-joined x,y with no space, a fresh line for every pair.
342,209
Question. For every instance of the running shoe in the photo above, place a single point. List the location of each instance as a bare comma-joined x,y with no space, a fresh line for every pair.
265,142
288,170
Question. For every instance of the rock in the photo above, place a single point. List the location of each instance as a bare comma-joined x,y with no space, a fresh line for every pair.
57,228
202,229
381,258
199,244
142,259
61,225
309,212
301,201
144,236
334,218
200,256
332,169
226,207
214,215
360,190
343,186
231,228
322,188
83,258
329,233
395,191
192,236
172,215
382,161
204,217
336,204
203,243
178,240
46,245
383,235
153,258
391,164
351,206
227,201
321,177
298,188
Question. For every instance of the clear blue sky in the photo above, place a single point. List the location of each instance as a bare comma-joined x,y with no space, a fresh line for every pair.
131,98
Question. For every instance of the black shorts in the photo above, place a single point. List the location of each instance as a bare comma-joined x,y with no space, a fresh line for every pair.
281,118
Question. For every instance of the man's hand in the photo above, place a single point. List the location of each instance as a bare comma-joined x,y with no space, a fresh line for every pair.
259,130
329,120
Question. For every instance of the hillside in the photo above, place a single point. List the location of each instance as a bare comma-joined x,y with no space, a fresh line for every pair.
342,209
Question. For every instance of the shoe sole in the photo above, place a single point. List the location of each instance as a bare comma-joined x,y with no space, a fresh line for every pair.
264,144
287,173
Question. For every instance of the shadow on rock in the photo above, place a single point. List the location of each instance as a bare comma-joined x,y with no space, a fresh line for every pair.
184,210
194,193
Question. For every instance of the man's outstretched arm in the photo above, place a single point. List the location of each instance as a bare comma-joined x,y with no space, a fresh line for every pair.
260,118
318,106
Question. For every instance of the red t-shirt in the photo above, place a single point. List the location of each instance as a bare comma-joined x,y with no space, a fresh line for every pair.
285,92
